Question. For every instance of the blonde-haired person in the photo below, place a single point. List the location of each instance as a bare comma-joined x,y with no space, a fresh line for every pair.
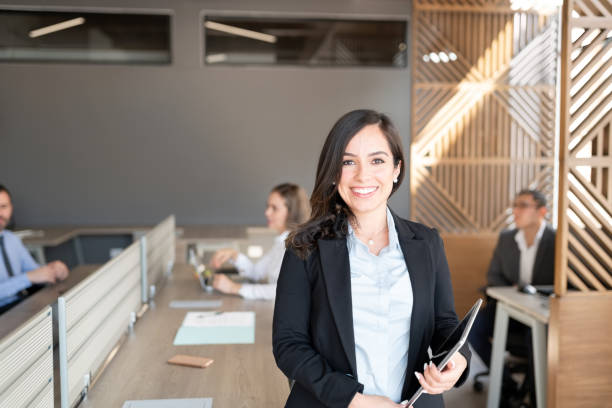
287,207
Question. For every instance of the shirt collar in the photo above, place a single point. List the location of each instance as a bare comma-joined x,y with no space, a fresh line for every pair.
393,237
520,236
282,237
541,230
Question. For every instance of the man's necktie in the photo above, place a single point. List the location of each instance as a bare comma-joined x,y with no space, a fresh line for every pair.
7,264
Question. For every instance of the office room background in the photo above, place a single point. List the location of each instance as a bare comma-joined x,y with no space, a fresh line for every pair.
109,144
492,98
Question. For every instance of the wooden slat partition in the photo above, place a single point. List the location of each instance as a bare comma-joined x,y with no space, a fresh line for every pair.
584,258
483,111
580,350
483,123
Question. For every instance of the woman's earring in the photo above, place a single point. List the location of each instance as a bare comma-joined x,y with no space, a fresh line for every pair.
333,183
395,180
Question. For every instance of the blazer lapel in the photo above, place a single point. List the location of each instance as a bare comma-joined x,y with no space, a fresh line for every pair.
537,272
512,255
337,277
418,262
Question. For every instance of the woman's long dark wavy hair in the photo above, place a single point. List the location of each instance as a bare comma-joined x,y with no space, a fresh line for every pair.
329,213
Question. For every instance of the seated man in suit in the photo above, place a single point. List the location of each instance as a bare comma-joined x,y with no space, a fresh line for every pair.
524,255
18,271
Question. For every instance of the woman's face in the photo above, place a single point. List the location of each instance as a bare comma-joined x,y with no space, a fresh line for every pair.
367,172
276,212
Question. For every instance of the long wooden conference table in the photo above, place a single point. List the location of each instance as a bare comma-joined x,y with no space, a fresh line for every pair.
242,375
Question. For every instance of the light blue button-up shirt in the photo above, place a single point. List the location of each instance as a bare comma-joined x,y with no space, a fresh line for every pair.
21,262
382,308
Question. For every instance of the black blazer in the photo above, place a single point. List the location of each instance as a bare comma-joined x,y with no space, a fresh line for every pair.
505,265
313,337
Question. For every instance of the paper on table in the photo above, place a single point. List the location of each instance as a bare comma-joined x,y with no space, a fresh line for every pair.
219,319
216,328
195,304
190,336
170,403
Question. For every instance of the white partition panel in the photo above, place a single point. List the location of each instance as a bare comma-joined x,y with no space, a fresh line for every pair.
98,312
160,249
26,364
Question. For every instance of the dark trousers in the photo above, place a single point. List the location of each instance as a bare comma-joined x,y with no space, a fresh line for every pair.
22,296
518,341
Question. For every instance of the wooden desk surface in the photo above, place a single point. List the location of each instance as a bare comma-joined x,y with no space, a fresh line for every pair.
47,296
536,306
243,375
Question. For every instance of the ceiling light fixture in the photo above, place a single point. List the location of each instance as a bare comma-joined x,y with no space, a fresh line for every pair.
242,32
56,27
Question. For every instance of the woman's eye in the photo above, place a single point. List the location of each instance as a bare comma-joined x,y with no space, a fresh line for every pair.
347,162
378,161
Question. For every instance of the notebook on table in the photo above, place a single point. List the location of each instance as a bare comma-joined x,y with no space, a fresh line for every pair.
170,403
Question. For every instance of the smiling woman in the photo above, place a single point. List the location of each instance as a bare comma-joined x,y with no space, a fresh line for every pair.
363,293
368,174
343,164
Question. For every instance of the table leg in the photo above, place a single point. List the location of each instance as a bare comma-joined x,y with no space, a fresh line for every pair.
539,338
497,356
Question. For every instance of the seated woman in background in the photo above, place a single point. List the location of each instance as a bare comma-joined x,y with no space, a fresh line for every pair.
287,208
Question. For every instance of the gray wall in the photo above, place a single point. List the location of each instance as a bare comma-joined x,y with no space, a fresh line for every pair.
102,145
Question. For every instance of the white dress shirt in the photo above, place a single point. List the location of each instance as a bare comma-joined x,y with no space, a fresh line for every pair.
528,254
382,309
265,270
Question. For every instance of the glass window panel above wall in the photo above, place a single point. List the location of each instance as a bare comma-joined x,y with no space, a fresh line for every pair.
309,42
84,37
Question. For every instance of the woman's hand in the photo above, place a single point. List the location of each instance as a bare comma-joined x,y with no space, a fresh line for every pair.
222,256
374,401
224,284
435,382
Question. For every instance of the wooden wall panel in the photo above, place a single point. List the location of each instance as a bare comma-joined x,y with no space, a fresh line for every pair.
469,257
579,350
483,112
